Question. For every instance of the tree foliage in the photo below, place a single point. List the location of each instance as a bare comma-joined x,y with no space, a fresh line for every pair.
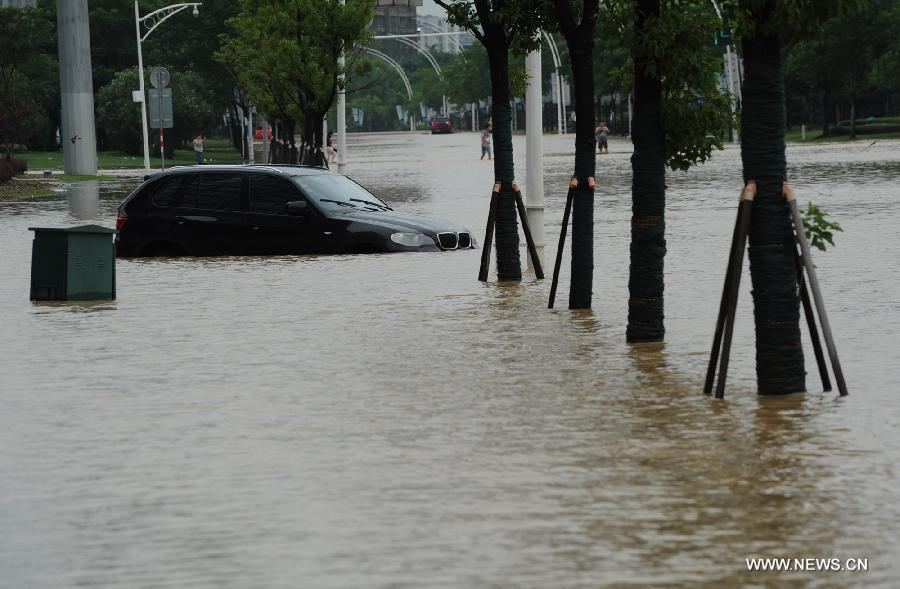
676,47
285,53
28,70
120,119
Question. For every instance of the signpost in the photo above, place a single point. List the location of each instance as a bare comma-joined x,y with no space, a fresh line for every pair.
160,100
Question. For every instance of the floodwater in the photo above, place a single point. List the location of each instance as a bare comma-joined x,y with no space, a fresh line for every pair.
388,421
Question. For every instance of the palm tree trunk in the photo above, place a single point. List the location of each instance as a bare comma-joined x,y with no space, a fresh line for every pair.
506,232
648,196
779,354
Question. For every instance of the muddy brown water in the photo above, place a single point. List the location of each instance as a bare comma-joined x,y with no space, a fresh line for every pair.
388,421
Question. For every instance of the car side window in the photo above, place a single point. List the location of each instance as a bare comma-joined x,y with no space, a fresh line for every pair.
220,192
269,194
189,191
167,192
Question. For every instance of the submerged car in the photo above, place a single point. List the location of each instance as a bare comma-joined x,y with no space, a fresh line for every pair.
269,210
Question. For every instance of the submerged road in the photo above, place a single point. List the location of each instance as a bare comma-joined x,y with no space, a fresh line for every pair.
388,421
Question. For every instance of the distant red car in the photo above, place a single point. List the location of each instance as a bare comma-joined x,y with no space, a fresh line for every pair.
258,134
441,125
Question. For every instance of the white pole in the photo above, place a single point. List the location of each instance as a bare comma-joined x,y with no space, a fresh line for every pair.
562,103
731,88
341,156
559,106
137,28
474,128
264,123
250,134
534,166
630,111
79,142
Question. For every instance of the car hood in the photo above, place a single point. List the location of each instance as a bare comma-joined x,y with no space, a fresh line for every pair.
400,221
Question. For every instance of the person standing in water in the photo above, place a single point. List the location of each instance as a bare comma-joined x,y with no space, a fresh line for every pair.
486,149
602,135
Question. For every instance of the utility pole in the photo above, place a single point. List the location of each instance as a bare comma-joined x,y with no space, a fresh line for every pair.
534,165
265,138
341,155
78,136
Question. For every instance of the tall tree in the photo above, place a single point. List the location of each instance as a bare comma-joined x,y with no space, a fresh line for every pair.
26,64
286,54
576,20
680,116
764,26
501,26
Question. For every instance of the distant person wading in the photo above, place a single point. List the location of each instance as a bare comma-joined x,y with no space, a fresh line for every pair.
486,149
602,136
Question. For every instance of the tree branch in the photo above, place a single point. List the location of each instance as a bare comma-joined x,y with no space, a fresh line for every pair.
475,32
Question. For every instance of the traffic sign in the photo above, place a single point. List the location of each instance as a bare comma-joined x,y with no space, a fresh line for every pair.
159,77
159,107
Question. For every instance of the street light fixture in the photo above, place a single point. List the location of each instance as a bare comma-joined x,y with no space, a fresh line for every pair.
150,22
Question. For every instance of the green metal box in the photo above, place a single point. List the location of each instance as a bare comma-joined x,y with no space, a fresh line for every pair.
73,263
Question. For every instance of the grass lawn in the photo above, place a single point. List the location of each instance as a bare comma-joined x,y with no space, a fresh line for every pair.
217,151
815,136
19,189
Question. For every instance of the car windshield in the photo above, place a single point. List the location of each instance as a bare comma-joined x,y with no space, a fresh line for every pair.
336,192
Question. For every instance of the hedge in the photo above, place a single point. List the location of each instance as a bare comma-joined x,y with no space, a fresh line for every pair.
867,129
8,169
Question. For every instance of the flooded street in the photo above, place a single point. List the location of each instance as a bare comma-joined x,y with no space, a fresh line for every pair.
388,421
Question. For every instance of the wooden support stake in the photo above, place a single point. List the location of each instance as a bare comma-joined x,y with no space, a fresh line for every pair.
562,241
811,323
489,235
747,197
532,250
723,306
816,292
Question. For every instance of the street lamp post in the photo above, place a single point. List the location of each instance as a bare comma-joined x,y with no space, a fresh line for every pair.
734,86
150,22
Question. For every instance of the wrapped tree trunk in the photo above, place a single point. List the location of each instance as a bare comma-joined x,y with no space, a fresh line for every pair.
509,266
579,35
648,194
779,354
582,279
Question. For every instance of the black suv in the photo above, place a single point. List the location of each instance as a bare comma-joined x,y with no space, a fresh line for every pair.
263,210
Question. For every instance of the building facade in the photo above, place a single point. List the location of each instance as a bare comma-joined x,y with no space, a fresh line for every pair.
429,24
395,17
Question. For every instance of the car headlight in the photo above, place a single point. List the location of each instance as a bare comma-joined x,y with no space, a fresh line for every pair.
412,239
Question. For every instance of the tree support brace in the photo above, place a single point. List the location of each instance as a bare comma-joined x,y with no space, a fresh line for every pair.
489,232
728,303
725,322
573,184
807,264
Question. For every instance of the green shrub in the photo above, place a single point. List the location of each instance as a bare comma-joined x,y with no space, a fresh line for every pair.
867,129
10,168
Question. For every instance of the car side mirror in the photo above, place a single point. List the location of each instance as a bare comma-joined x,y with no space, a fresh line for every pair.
299,208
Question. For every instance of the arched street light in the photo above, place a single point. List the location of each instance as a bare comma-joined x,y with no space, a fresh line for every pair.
150,22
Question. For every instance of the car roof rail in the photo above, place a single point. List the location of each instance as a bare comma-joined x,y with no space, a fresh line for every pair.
264,166
295,166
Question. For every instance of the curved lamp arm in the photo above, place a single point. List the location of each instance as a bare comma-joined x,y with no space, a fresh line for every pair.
157,17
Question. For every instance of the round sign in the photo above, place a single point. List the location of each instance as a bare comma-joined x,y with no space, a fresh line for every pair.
159,77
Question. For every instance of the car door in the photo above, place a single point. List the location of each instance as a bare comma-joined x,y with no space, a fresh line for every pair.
209,218
272,229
